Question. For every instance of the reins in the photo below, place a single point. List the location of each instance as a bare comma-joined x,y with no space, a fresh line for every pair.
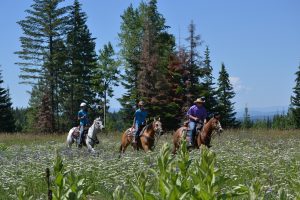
151,138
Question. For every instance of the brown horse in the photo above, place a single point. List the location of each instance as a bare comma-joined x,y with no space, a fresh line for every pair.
202,137
146,140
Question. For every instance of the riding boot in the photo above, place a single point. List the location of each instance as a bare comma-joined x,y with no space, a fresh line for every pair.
189,141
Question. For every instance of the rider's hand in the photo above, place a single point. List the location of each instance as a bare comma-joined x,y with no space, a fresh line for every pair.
196,119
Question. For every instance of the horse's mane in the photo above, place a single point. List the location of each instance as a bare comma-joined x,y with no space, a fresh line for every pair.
148,126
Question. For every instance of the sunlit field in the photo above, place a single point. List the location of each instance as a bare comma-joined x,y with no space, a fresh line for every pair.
270,159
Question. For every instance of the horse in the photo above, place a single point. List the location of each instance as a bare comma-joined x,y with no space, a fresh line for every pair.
202,136
91,137
147,137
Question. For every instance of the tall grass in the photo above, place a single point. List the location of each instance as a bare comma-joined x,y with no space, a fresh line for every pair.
259,164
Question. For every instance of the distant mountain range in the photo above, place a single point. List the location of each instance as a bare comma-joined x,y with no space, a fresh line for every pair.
256,113
262,112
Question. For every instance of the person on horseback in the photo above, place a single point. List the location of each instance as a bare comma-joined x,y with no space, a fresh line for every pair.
83,118
139,120
196,114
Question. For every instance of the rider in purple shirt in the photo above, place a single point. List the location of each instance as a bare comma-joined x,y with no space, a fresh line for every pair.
196,114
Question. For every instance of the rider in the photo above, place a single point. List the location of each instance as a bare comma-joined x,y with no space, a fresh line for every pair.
83,118
139,120
196,114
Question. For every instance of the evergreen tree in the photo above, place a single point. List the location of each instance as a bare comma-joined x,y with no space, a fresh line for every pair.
176,78
295,100
7,120
225,95
32,114
193,65
45,24
81,62
44,114
130,36
207,86
157,46
146,48
106,75
21,119
247,120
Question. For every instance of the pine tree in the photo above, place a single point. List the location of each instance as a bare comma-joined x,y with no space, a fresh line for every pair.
247,119
106,75
130,44
81,62
295,100
207,86
176,78
193,65
146,48
32,114
21,119
157,46
7,120
225,95
45,24
44,114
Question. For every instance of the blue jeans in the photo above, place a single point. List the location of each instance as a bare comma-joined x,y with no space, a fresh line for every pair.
137,131
191,133
80,135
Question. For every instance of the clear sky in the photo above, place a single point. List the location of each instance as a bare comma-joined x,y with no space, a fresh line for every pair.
259,41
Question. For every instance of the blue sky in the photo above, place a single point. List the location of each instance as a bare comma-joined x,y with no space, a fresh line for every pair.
259,42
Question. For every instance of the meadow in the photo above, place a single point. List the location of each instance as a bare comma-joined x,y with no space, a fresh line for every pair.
248,164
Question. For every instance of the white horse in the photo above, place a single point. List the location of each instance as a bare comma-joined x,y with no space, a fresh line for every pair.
91,138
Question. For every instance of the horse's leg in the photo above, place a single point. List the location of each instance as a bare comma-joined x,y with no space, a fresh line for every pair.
69,140
89,146
124,144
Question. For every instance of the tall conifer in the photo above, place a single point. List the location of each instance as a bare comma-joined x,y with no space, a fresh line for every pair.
208,89
225,95
81,62
106,75
45,24
295,100
193,65
7,121
130,36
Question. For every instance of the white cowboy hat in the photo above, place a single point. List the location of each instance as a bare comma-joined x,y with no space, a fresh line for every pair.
82,104
199,100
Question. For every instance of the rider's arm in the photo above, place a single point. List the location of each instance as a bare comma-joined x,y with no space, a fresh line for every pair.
133,122
193,118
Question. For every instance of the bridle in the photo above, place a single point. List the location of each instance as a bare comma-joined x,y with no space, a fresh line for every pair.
157,133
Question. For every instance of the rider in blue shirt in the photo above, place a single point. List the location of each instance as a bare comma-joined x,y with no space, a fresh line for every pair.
139,120
83,118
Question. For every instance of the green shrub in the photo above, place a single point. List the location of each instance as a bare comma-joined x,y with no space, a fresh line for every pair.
180,177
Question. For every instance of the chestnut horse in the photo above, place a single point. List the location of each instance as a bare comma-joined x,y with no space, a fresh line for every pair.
202,137
147,137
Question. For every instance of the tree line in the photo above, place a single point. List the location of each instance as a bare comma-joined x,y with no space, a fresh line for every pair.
58,58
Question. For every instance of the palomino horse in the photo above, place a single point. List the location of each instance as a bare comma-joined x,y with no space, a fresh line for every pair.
91,138
202,137
146,140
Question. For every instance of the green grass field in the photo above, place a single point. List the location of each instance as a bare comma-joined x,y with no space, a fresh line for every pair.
269,158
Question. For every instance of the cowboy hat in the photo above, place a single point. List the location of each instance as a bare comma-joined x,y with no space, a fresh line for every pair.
200,100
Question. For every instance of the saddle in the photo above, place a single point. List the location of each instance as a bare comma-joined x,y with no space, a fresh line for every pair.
76,132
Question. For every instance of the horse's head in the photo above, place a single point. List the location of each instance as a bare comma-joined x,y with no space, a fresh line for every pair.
216,125
157,126
98,124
